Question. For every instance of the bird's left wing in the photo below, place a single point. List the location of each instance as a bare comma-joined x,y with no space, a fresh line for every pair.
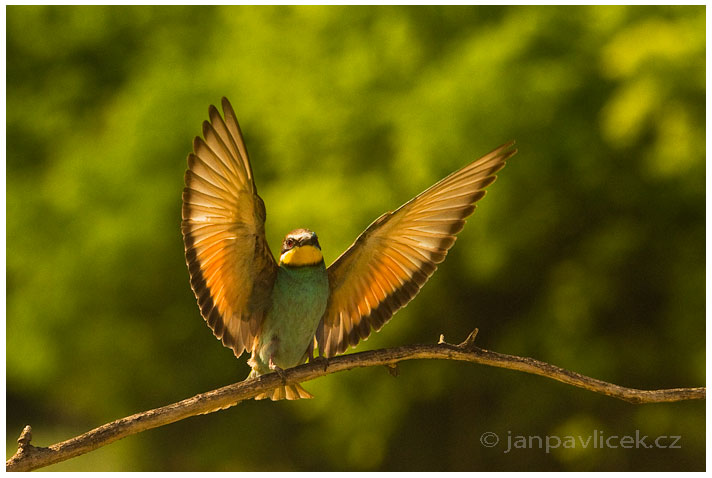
232,269
392,259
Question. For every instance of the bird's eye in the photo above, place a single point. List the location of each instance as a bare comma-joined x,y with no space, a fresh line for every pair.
290,242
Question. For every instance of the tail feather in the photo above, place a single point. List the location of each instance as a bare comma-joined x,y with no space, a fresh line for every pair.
292,391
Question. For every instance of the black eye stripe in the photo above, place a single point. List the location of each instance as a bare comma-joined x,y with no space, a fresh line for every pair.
298,240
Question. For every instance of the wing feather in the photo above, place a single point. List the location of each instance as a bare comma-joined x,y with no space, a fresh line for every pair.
231,267
396,255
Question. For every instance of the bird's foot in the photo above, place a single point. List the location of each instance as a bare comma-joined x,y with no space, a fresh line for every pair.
278,371
321,360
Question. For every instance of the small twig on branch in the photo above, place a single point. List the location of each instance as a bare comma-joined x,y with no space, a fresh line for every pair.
29,457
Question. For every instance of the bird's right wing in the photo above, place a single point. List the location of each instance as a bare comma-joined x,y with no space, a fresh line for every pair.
232,270
394,257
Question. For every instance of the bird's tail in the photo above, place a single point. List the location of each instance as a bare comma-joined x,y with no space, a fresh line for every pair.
290,391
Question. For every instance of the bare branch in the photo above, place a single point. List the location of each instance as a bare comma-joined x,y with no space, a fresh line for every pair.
29,457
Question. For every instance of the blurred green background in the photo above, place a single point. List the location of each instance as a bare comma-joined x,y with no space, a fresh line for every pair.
588,252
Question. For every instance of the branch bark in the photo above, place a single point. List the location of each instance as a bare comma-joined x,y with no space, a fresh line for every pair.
29,457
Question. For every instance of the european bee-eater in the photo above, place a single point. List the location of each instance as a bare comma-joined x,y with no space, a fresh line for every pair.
277,310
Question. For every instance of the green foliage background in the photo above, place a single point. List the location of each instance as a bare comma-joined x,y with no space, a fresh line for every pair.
588,252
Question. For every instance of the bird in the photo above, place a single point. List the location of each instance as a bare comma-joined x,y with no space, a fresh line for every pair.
279,310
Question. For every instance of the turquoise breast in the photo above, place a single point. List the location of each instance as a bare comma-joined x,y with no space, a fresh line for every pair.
298,302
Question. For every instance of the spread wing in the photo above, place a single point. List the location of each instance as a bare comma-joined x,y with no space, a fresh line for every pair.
232,269
392,259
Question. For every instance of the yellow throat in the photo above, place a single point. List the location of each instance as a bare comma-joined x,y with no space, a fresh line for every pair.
301,256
